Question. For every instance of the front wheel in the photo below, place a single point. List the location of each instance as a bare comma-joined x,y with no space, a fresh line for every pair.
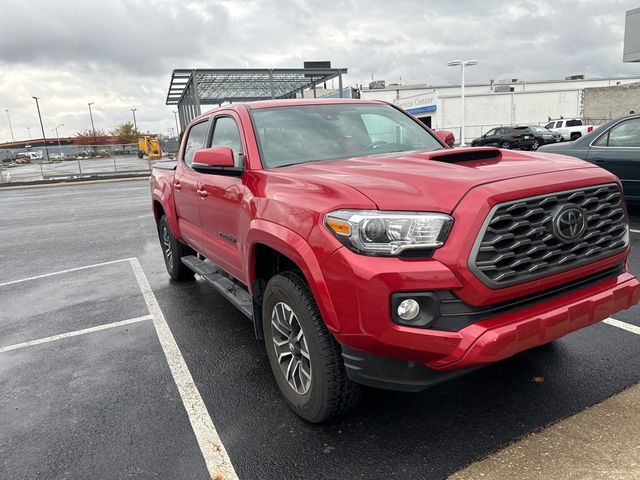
304,357
173,251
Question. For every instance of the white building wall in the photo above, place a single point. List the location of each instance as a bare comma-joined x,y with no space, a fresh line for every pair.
530,103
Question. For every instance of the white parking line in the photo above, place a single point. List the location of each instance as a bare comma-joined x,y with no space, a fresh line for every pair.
61,336
65,271
213,451
623,325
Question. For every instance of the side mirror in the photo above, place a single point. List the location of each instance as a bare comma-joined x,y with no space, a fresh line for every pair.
446,136
215,160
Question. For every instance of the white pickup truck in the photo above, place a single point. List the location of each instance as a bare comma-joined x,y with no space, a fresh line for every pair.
569,128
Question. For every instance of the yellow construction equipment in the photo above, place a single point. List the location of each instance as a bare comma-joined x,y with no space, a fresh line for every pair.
149,145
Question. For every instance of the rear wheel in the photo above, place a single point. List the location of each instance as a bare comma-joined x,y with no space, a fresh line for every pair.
304,357
173,251
575,136
505,145
535,145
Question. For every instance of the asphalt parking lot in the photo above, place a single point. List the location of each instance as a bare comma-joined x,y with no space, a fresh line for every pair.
95,340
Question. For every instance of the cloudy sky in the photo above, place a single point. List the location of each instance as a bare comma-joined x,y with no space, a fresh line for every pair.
119,54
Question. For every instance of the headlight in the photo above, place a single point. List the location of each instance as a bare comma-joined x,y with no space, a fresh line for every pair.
372,232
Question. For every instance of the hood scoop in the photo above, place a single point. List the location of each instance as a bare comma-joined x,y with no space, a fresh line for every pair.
457,155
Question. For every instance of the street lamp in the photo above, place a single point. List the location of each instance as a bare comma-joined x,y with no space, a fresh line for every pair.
58,137
10,127
92,125
175,116
29,132
462,64
44,139
135,125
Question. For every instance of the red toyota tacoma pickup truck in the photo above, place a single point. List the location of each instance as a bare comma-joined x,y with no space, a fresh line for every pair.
367,252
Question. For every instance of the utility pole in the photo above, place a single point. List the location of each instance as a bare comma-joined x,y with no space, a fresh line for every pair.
175,116
10,127
135,125
462,64
44,138
29,132
92,125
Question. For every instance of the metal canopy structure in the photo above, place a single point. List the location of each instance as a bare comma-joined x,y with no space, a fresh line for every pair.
189,89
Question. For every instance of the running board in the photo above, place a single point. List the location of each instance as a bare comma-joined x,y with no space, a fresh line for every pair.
232,291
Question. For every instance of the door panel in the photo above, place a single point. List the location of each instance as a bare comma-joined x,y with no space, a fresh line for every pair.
619,152
221,203
186,183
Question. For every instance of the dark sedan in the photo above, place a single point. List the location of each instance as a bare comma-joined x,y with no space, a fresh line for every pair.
614,146
506,137
542,136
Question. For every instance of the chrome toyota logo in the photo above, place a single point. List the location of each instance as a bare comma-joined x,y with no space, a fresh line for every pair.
569,224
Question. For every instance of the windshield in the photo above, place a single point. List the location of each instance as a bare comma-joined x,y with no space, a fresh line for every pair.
309,133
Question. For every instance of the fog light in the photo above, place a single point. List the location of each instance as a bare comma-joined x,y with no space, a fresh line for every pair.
408,309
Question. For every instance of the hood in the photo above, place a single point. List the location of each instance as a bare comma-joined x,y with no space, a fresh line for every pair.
429,181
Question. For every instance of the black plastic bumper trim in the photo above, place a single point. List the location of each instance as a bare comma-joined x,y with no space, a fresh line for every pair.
393,373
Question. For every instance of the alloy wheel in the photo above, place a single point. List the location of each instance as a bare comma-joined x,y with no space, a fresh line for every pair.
290,345
166,243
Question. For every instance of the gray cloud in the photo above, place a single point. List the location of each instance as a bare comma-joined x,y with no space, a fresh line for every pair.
120,54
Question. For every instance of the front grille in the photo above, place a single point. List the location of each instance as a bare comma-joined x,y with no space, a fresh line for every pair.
518,242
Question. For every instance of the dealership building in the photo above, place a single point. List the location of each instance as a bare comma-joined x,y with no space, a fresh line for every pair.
512,101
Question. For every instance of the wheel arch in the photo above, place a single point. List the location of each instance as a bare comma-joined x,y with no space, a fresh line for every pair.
272,249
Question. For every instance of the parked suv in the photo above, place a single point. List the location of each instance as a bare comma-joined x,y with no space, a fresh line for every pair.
506,137
367,252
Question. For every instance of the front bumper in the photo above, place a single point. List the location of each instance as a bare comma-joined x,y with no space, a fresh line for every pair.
361,298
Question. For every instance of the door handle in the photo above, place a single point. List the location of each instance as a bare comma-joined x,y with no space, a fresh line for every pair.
203,193
177,185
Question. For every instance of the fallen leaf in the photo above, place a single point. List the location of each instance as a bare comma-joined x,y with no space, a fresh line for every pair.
538,379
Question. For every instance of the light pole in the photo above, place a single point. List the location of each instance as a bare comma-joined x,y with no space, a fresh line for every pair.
44,139
175,116
462,63
29,132
10,127
135,125
92,125
58,138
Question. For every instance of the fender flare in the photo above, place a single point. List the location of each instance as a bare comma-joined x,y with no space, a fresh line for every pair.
296,248
165,199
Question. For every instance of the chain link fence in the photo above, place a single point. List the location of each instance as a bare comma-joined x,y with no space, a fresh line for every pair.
73,162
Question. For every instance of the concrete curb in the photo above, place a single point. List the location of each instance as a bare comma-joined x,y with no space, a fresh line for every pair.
74,181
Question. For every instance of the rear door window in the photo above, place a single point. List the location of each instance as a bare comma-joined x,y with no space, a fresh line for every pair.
195,141
574,123
625,134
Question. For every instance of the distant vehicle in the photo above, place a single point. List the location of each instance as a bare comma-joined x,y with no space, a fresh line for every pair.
31,155
570,128
614,146
149,146
543,136
506,137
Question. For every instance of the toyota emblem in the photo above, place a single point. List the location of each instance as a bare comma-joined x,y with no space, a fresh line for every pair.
569,224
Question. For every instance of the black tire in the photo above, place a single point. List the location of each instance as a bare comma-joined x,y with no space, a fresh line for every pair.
173,251
535,145
505,145
140,154
575,136
330,391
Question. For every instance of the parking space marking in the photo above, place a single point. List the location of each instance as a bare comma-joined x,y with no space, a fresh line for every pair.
12,282
75,333
215,455
623,325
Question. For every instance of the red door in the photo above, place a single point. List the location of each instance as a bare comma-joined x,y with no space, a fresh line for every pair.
221,205
186,184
